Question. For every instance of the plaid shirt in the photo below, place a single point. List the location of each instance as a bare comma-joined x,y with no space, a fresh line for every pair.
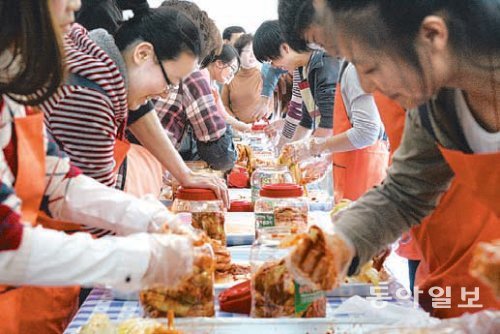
194,104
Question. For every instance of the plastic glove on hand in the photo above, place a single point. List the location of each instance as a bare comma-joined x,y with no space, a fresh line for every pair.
273,128
303,149
171,260
320,259
315,169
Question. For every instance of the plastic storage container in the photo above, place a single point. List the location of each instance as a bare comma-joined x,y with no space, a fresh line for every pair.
268,175
192,297
207,211
274,292
281,205
257,139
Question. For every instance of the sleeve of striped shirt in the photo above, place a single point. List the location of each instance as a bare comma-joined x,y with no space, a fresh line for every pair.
201,109
294,114
83,124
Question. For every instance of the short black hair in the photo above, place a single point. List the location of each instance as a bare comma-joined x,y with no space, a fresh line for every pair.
209,32
242,42
295,16
229,31
267,41
170,31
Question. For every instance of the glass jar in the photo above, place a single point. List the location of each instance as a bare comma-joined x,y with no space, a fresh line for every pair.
274,291
281,205
257,138
192,297
207,211
268,175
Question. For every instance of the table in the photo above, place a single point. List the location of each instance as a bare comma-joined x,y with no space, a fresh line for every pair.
101,301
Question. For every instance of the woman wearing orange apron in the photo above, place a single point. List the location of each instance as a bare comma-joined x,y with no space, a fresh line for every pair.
358,170
34,309
111,80
35,176
449,149
360,152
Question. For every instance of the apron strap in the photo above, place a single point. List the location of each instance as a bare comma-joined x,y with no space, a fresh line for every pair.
423,112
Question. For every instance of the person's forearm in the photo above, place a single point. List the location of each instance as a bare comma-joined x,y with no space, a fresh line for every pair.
416,180
322,132
337,143
301,133
48,257
240,126
152,136
86,200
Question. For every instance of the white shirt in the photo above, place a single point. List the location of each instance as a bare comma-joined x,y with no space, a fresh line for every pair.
479,140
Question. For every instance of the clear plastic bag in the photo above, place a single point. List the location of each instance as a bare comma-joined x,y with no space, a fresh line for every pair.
274,292
192,297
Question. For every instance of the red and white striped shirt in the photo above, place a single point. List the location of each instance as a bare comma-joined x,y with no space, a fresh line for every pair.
86,121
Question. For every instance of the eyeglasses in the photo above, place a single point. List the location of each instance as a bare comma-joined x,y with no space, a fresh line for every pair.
234,68
170,85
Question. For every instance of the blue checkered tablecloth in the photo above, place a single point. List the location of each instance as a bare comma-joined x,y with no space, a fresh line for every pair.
102,301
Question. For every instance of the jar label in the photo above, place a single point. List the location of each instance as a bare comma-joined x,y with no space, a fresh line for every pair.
305,296
265,179
264,220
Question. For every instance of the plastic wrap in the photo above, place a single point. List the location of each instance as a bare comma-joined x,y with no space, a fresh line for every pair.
274,291
212,223
192,297
275,294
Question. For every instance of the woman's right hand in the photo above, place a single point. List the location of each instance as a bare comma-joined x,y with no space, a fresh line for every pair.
321,259
304,149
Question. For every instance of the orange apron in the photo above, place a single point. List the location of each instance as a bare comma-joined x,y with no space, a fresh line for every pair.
468,213
119,154
355,171
144,173
27,309
393,116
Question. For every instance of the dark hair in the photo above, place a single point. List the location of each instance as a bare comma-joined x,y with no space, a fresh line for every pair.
473,25
212,40
170,31
295,16
242,42
267,41
227,55
28,30
229,31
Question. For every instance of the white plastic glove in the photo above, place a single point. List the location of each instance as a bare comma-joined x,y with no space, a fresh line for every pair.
304,149
274,128
171,260
321,259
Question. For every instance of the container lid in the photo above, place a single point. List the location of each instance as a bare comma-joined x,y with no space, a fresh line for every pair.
258,127
195,194
281,190
241,206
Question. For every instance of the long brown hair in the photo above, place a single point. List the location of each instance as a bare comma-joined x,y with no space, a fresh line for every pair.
29,32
